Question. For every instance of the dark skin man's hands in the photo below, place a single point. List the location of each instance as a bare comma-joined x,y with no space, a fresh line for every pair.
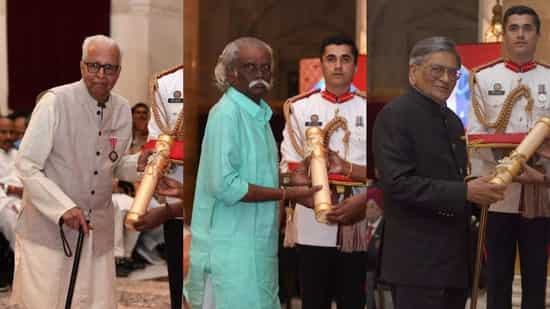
143,157
169,187
349,211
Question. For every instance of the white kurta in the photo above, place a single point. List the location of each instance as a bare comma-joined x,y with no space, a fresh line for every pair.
63,163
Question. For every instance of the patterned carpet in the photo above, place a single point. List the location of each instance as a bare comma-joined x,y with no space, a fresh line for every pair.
131,294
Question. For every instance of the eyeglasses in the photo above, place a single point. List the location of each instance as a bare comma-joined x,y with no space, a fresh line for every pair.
253,68
108,69
437,71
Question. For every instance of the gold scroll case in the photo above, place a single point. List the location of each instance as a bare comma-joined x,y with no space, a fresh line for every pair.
319,174
510,166
156,166
506,170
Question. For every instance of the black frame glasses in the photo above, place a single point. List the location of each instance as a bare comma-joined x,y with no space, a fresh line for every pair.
108,69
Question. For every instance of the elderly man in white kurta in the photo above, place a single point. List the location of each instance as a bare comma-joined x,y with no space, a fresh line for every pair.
73,147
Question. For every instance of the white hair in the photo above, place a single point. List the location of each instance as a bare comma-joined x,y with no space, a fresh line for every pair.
226,61
99,38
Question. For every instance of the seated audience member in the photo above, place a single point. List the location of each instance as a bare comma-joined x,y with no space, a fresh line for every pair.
374,215
10,201
20,122
140,132
125,239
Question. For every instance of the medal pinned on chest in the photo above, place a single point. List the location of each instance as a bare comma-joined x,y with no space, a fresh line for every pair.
497,89
542,93
314,121
113,155
359,121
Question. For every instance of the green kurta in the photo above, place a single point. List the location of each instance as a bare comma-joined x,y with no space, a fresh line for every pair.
233,241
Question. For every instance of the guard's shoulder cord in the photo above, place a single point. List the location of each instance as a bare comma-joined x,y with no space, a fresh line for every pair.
505,112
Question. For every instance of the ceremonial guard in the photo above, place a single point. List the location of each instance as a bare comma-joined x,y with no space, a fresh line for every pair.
508,97
167,110
332,259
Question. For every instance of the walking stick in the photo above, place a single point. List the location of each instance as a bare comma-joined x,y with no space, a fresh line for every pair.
479,253
506,170
74,271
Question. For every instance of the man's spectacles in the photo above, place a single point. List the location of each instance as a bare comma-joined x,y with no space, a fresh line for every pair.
253,68
108,69
437,71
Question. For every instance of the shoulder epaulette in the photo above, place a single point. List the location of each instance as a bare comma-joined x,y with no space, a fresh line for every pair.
168,71
302,96
487,65
544,64
287,110
360,93
153,81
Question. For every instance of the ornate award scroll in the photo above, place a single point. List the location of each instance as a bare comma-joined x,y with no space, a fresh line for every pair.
156,166
319,174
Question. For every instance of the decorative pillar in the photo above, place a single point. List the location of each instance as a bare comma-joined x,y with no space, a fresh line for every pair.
150,36
3,60
361,31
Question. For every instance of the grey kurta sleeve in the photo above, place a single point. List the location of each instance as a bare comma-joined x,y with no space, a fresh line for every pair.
35,148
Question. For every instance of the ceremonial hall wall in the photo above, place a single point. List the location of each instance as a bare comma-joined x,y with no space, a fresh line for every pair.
3,60
294,29
393,28
149,33
43,44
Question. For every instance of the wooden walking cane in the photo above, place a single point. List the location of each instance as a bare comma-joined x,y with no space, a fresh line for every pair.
506,170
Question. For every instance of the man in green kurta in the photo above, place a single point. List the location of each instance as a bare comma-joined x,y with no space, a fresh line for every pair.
235,215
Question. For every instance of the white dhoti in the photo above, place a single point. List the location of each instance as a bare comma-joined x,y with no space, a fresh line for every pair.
42,277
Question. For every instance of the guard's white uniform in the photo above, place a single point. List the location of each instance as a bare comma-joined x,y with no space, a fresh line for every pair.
493,85
318,109
169,98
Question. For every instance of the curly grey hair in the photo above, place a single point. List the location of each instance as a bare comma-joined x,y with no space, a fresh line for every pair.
226,61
